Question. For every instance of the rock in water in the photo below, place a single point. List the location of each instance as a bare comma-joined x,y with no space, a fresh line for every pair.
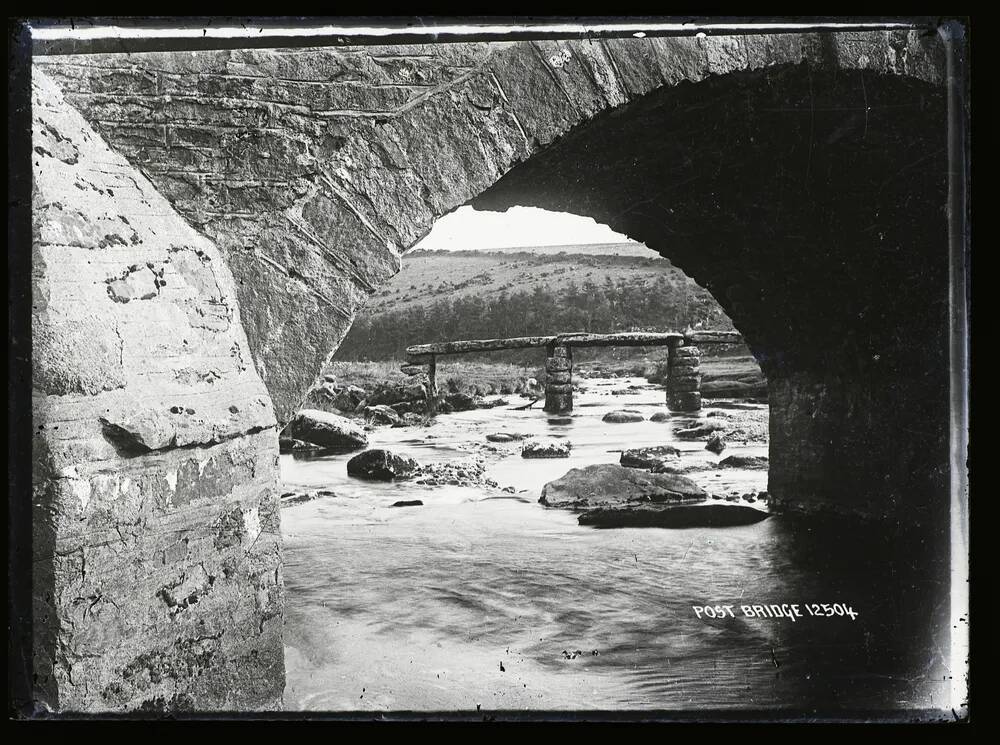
461,401
700,430
684,516
660,416
504,437
715,444
381,465
546,447
381,414
408,503
610,485
327,430
622,416
349,398
744,461
649,457
288,445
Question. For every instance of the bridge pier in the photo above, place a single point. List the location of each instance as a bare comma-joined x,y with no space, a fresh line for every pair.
683,377
558,377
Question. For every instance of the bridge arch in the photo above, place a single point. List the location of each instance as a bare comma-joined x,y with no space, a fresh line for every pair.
800,178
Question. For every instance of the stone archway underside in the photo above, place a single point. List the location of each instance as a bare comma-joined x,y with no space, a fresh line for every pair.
800,178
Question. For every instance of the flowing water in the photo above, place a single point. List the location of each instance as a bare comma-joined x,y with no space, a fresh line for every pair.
481,599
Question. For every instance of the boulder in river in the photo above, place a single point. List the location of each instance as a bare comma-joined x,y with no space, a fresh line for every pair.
328,431
649,457
660,416
745,461
609,485
703,429
349,398
682,516
504,437
408,503
410,419
715,444
546,447
622,416
461,401
381,414
381,465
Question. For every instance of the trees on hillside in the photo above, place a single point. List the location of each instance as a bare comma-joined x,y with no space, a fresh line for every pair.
662,304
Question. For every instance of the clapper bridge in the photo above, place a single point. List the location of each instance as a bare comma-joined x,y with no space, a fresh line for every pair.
683,380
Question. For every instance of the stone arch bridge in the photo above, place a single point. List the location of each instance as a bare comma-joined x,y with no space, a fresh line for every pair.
207,224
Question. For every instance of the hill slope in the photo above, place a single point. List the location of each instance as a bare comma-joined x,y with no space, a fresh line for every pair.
445,295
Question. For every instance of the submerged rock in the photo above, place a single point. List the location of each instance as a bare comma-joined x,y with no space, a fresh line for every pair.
326,430
546,447
715,444
622,416
683,516
381,465
649,457
407,503
611,485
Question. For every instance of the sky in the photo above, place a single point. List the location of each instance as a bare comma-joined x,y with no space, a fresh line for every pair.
469,229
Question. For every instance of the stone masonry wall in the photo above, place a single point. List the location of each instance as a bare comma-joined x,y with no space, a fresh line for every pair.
156,539
313,169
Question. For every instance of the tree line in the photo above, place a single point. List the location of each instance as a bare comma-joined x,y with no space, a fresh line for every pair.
663,304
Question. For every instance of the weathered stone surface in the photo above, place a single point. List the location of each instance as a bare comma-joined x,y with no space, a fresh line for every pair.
312,169
622,416
546,447
608,485
504,437
381,414
704,429
660,416
715,443
156,533
649,457
679,516
684,401
461,401
381,465
326,430
732,388
744,461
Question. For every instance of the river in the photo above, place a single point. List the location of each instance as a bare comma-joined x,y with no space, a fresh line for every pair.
481,600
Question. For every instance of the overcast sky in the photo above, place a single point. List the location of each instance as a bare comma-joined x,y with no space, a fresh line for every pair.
467,229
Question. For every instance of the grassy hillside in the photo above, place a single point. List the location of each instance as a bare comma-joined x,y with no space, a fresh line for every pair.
446,295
